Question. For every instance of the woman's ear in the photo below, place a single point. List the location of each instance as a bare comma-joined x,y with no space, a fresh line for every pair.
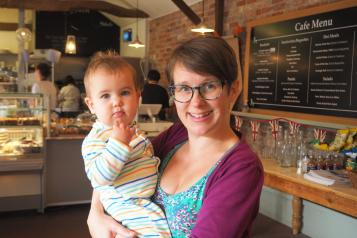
234,91
89,104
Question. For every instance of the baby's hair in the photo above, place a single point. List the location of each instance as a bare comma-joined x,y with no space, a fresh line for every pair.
110,61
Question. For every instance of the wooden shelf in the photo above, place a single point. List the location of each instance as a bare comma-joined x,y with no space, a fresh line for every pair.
311,122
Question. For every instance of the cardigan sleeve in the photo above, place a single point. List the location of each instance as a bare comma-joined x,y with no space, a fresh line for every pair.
231,200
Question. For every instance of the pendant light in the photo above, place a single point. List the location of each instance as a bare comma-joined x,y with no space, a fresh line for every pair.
137,43
202,29
23,34
70,47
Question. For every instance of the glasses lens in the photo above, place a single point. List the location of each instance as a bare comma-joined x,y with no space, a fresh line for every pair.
211,90
208,91
181,93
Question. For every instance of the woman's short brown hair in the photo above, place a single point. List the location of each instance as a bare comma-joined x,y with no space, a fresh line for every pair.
205,55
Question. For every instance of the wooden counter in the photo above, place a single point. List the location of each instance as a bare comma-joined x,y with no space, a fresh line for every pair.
342,199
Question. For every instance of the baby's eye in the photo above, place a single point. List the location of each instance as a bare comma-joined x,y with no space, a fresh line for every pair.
105,96
125,93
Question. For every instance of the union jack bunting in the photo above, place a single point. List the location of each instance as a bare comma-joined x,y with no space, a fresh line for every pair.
255,128
320,135
274,124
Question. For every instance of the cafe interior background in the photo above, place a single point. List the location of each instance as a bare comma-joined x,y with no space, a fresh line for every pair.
164,28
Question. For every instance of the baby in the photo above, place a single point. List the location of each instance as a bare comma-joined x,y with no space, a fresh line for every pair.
118,162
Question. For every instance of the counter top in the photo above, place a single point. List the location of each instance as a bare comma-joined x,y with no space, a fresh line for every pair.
151,129
66,137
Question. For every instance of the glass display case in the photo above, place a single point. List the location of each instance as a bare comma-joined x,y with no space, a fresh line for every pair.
23,125
23,120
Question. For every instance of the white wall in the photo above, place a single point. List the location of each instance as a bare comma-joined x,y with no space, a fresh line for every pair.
127,51
317,221
8,38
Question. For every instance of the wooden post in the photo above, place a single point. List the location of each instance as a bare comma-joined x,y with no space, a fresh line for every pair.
297,211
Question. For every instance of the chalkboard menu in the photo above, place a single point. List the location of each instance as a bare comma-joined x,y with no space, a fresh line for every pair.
307,64
93,31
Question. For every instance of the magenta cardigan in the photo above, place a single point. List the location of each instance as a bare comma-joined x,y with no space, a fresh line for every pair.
232,193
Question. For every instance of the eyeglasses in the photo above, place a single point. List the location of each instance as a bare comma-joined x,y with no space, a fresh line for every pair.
209,91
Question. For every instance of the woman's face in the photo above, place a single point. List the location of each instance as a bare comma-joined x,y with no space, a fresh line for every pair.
38,75
204,117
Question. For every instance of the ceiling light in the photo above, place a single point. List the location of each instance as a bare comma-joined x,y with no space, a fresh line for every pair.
23,34
202,29
70,45
137,43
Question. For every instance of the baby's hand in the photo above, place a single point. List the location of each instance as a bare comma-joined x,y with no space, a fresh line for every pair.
122,132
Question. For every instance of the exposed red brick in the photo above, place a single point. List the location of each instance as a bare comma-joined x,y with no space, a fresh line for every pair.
169,31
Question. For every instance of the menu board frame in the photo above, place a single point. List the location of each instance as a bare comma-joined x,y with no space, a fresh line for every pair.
286,110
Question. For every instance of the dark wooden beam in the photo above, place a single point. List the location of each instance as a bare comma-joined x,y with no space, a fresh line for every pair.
219,13
12,26
71,5
187,11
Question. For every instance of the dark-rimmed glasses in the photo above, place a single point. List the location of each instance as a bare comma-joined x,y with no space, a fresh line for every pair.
209,91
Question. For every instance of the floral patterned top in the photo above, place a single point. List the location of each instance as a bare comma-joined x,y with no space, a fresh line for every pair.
181,209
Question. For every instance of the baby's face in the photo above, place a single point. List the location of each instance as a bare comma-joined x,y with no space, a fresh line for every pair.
113,96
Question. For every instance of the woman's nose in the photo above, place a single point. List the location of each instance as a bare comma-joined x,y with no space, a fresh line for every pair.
196,97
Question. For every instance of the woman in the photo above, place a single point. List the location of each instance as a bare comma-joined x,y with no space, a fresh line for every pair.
210,180
43,85
69,96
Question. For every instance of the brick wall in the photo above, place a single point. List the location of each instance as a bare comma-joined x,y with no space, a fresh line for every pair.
168,31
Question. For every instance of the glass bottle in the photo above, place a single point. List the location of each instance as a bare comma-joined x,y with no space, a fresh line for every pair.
337,162
312,163
305,163
279,143
320,163
288,153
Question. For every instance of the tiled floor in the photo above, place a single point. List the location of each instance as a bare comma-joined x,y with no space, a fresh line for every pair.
70,221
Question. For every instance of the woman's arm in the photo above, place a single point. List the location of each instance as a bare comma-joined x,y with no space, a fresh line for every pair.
103,226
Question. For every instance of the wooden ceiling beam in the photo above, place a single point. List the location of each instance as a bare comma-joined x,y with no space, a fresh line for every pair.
70,5
219,13
12,26
187,11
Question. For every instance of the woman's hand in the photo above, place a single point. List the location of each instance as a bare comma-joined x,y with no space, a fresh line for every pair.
103,226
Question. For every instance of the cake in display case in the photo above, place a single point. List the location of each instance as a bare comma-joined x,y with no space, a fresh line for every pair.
22,122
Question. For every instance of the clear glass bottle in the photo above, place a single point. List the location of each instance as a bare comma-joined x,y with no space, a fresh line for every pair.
288,153
305,163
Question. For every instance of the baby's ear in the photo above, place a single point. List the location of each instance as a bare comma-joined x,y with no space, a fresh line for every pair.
89,104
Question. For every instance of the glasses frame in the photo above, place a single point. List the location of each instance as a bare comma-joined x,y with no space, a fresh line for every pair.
193,89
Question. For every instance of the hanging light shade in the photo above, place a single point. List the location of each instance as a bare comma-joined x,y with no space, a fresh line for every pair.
71,45
201,28
137,43
23,34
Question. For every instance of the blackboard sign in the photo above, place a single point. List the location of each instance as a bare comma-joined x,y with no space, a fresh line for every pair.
307,64
93,31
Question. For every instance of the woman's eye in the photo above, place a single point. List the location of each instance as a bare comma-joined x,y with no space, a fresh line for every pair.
183,89
209,86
